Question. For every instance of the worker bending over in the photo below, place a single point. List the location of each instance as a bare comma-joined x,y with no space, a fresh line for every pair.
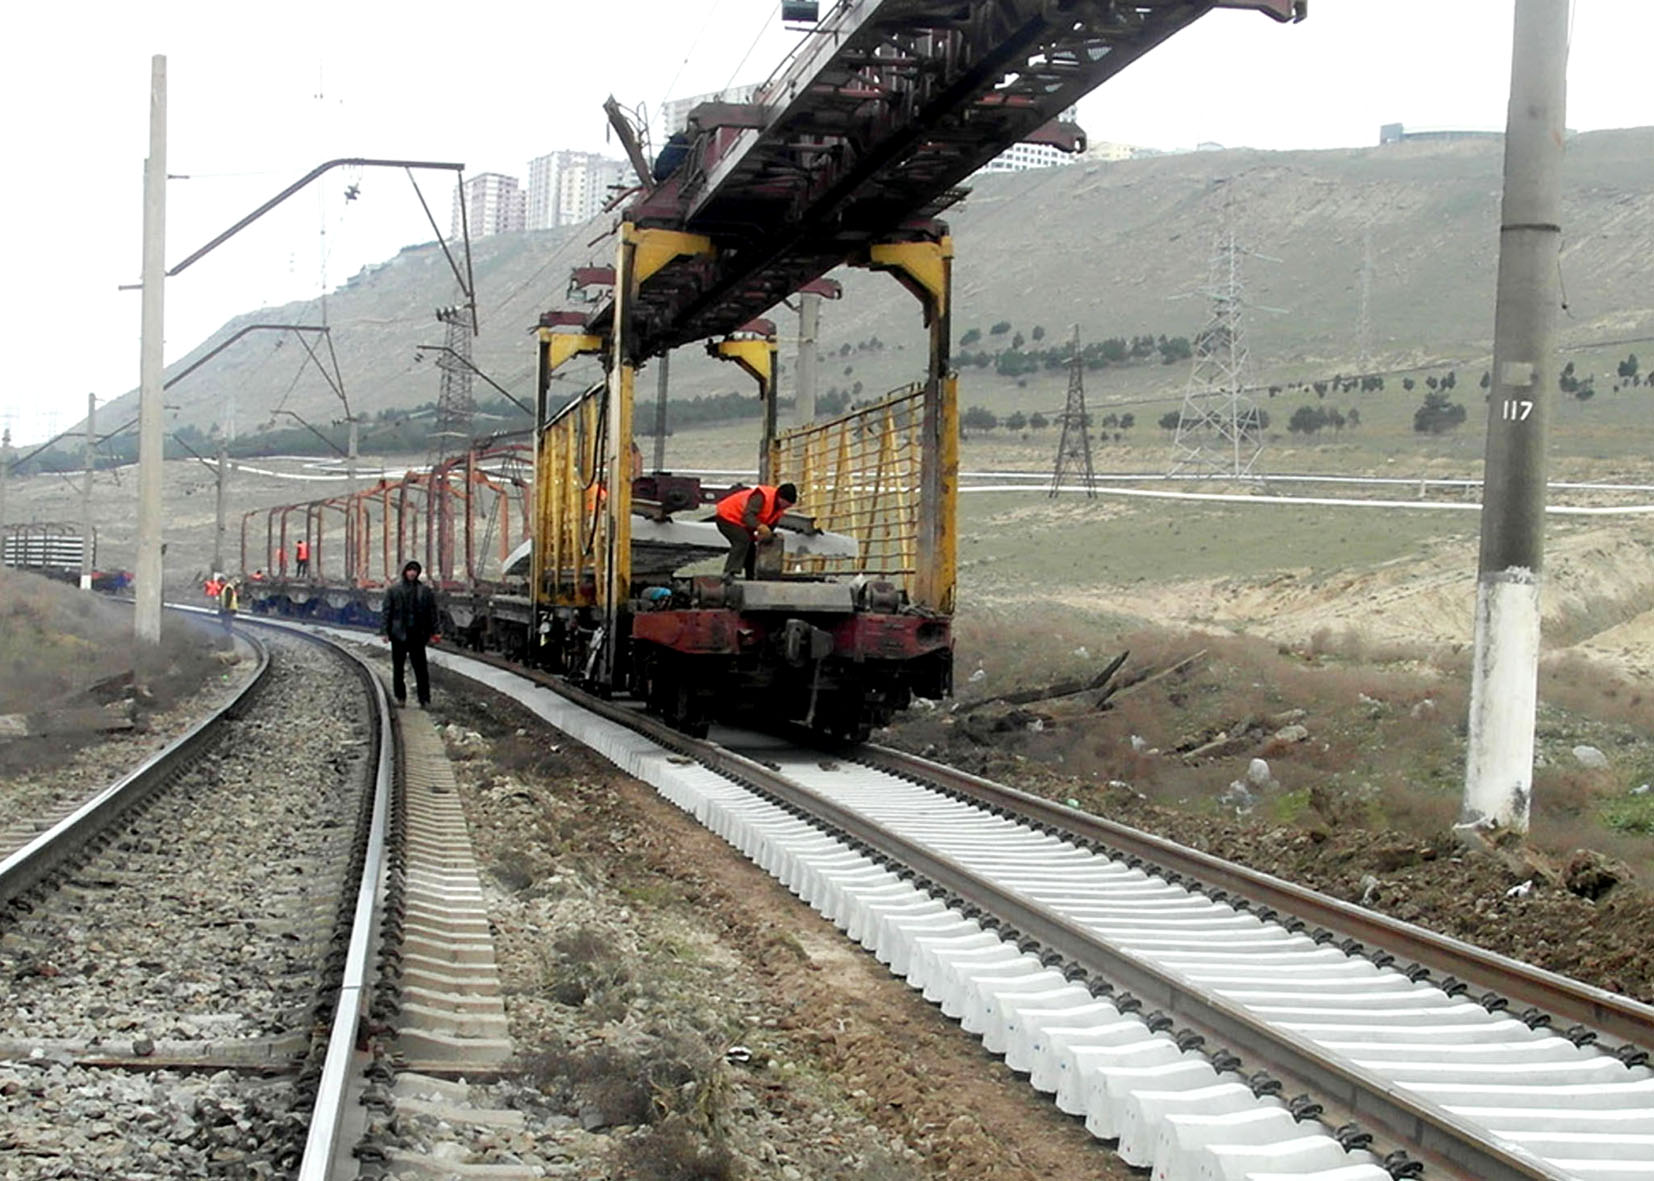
748,516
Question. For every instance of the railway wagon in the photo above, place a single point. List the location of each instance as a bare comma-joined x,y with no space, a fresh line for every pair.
840,625
847,617
48,547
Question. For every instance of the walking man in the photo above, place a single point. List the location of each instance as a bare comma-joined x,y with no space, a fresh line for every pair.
301,558
409,624
748,516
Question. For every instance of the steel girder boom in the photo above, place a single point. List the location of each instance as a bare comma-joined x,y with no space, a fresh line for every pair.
874,122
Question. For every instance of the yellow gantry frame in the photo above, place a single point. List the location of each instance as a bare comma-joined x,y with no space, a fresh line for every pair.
925,267
564,556
583,531
756,356
641,253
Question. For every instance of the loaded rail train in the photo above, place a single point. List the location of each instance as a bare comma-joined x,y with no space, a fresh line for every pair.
845,156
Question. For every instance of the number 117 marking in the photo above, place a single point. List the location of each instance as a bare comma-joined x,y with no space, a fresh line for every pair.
1515,409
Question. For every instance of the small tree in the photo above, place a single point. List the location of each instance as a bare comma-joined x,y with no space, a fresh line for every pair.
1127,421
1038,332
1169,420
1000,329
1307,420
1017,341
1437,414
979,418
1407,384
1627,367
1038,421
971,337
1016,421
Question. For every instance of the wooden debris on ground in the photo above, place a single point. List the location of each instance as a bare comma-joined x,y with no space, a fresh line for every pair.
1053,692
1136,680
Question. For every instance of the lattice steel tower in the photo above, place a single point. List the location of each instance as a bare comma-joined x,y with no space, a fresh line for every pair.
455,406
1219,431
1074,448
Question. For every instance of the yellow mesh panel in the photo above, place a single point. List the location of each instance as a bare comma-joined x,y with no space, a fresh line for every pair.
858,474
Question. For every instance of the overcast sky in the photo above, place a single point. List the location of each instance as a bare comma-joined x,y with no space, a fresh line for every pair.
258,95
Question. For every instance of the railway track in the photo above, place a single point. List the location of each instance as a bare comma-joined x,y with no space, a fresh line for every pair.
1212,1021
1209,1021
165,951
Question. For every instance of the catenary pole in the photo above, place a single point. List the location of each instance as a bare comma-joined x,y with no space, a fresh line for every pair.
809,323
222,473
226,431
1505,672
87,531
5,469
660,413
147,617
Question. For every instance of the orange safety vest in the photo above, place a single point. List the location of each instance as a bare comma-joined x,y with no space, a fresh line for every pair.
212,587
733,508
302,553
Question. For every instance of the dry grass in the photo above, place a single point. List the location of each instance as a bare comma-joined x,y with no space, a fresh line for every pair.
55,640
1386,728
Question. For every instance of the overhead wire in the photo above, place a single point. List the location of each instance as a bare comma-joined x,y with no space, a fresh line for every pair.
706,23
759,36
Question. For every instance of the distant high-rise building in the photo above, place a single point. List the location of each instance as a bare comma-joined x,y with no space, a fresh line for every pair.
1395,133
1111,152
494,204
1025,157
675,114
568,188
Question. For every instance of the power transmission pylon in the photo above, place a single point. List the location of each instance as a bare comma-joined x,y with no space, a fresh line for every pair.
455,406
1074,448
1219,430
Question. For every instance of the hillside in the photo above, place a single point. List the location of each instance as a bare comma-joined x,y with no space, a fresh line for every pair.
1109,246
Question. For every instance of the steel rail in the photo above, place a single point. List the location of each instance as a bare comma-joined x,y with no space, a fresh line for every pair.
34,862
333,1090
1607,1013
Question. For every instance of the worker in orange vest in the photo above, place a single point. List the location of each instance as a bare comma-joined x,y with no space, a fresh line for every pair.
301,558
748,516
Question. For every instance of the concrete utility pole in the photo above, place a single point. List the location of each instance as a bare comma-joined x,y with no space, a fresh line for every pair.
147,616
87,530
660,413
222,484
809,325
1504,684
5,469
218,524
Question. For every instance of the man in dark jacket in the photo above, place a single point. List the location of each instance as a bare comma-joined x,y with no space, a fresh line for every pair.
409,623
